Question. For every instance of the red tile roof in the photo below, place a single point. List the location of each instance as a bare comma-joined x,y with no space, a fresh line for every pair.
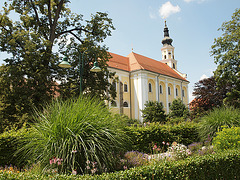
134,62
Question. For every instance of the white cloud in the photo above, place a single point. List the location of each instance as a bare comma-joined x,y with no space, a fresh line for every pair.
204,76
167,9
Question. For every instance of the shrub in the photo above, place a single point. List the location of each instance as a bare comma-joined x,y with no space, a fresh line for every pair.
228,138
225,165
213,121
153,112
143,137
178,109
75,131
9,144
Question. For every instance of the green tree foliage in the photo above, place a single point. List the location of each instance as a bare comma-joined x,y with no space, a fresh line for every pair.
75,131
178,109
226,52
30,72
207,96
153,112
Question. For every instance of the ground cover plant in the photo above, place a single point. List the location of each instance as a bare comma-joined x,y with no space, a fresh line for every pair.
68,135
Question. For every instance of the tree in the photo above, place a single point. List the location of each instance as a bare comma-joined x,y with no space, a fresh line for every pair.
31,70
207,96
153,112
226,52
178,109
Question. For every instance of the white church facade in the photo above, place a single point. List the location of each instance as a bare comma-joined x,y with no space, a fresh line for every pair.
143,79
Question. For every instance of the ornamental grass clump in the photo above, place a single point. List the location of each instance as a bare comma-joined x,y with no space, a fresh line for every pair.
214,120
75,131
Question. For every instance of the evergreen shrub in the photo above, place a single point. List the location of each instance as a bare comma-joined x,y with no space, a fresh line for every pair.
9,144
144,136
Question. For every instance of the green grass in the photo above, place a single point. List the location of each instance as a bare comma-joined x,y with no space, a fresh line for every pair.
75,131
218,117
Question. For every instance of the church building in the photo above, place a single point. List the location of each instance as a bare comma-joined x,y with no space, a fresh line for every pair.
143,79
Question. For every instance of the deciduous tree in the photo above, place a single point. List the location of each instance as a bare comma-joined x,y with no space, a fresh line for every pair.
226,53
207,96
31,70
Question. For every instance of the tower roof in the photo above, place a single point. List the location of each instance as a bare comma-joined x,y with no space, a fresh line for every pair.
166,40
134,62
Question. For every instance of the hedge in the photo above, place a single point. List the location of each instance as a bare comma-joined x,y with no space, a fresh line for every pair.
9,144
143,137
224,165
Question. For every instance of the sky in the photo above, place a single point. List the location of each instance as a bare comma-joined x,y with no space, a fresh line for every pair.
193,25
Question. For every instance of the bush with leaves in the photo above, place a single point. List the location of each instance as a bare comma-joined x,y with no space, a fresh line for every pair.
153,112
228,138
75,131
178,109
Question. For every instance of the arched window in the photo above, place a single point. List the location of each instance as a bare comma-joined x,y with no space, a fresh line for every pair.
169,91
125,87
176,92
113,104
165,57
160,89
174,66
125,104
149,87
183,93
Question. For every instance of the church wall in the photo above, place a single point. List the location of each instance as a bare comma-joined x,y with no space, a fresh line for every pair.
139,90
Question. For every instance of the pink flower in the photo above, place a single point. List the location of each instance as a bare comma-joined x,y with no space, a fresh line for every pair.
55,160
50,161
74,151
167,143
124,167
74,172
155,146
59,162
88,167
163,142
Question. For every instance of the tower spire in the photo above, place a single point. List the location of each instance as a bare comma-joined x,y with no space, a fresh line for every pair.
166,40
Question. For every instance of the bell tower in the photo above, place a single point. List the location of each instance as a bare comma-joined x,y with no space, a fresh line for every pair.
168,50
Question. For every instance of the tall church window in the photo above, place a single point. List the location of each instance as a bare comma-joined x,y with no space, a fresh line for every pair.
149,87
169,91
174,66
165,57
160,89
183,93
176,92
125,87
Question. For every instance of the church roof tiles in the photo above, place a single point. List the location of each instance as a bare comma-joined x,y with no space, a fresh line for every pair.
134,62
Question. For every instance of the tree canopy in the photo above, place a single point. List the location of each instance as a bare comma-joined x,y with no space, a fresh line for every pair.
207,96
31,69
226,53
